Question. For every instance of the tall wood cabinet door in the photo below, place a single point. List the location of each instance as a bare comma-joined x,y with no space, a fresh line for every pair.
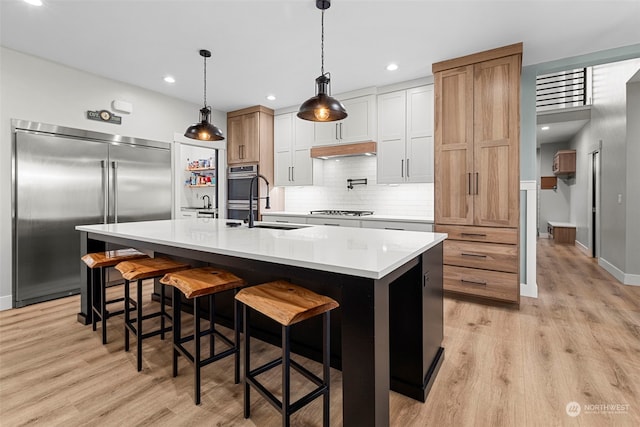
496,185
251,144
235,137
453,146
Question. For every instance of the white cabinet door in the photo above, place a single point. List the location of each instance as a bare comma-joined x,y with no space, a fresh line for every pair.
360,123
391,138
282,141
419,167
303,133
302,172
405,131
284,218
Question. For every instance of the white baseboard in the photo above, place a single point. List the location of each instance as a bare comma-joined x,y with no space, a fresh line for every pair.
621,276
583,248
6,302
529,290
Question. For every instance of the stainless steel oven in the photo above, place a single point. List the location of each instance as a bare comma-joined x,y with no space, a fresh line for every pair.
238,182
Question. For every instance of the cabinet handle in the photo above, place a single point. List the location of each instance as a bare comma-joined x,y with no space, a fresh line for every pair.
402,168
468,184
474,282
280,220
408,175
476,183
391,228
340,130
289,173
293,174
337,137
335,225
474,234
474,255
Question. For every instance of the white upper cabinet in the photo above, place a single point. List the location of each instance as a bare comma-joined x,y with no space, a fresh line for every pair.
360,124
405,136
293,138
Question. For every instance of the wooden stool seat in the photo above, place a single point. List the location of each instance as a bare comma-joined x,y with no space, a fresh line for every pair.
285,302
138,270
149,267
196,283
99,302
111,258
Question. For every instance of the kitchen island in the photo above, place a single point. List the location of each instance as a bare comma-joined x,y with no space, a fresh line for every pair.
387,332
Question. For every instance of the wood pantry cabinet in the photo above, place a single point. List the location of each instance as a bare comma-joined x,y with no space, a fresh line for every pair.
250,136
477,180
293,138
405,136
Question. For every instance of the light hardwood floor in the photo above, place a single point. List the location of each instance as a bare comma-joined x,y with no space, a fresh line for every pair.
578,342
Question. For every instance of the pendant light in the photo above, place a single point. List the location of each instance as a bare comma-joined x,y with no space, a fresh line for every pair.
204,131
322,107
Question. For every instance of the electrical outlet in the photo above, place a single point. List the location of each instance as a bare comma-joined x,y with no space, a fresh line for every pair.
619,199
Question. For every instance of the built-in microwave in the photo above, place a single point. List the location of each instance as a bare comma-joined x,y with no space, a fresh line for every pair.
238,186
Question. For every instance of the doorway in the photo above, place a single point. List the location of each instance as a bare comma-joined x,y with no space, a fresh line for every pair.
594,203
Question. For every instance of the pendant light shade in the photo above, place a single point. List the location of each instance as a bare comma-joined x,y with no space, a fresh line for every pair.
322,107
205,130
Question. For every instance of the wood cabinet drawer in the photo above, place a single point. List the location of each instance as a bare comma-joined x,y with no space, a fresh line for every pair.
480,234
490,284
488,256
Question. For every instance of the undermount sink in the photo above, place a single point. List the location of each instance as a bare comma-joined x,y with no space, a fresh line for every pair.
280,226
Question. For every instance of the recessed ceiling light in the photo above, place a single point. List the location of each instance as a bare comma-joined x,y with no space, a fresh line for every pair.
545,128
169,79
392,67
271,97
34,2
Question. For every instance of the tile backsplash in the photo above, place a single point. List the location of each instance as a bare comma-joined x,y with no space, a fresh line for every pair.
330,191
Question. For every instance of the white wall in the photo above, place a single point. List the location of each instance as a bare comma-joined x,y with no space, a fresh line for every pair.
633,176
332,192
38,90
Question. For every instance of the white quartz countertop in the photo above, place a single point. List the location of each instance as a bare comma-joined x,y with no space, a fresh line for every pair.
374,217
370,253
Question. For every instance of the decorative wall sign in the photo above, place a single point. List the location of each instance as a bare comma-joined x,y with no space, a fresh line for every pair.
104,116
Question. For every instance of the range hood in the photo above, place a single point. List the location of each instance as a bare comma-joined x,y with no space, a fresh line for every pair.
344,150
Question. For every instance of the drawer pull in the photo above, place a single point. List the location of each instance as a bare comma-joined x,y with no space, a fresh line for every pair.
281,220
474,282
474,234
475,255
391,228
334,225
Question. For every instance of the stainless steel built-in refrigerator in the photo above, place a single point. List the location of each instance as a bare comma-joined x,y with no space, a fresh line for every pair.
64,177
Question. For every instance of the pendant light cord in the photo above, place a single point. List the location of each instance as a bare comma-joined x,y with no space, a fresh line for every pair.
322,45
205,81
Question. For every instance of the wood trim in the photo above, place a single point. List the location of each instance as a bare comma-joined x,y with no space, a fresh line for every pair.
249,110
343,149
513,49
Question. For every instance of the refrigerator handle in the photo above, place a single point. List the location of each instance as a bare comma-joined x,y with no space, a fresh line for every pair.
114,165
105,205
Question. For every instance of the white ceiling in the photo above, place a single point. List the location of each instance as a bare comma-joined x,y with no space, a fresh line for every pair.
273,47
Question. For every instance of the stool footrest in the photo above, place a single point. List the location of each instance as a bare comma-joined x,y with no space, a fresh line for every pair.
208,332
277,403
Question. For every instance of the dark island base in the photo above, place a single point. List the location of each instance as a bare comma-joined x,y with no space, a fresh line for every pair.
404,308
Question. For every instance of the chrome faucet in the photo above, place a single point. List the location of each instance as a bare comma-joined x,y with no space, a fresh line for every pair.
207,204
255,179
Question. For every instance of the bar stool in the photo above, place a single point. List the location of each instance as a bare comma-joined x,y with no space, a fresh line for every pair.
148,268
195,284
99,302
286,304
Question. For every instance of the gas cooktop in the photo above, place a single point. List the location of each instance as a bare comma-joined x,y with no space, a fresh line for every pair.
342,212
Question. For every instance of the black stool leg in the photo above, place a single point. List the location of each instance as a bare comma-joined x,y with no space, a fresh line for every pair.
326,362
236,329
196,333
94,299
247,363
212,324
139,324
127,317
286,377
177,328
103,303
